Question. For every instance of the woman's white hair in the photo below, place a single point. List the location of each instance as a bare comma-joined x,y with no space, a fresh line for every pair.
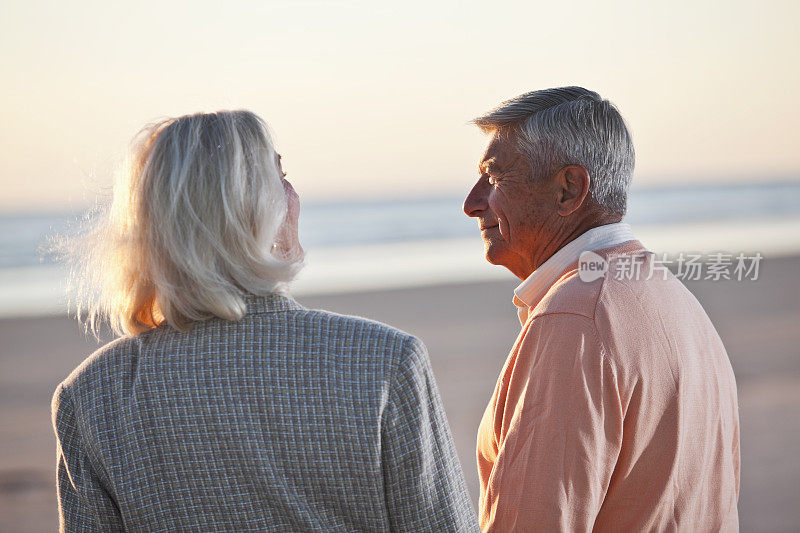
195,213
571,126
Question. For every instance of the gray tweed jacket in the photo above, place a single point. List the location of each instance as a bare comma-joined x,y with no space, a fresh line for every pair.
287,420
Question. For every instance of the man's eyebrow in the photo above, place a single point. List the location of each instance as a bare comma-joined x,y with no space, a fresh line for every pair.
488,165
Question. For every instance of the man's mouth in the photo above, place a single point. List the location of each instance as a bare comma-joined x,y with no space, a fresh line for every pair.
484,228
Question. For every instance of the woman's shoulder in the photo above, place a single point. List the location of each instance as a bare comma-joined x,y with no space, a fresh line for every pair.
351,335
344,323
94,380
292,328
285,313
117,352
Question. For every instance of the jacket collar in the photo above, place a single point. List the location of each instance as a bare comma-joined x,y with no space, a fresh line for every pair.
273,302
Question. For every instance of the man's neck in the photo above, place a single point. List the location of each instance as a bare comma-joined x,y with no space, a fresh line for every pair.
562,238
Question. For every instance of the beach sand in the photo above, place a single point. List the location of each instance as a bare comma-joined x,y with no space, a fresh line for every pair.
468,330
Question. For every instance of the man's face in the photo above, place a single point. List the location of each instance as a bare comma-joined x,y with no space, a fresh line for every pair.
515,212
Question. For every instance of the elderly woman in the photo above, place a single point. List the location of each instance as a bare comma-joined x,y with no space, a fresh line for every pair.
226,405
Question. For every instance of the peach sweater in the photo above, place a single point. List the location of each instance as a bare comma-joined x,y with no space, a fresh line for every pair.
616,410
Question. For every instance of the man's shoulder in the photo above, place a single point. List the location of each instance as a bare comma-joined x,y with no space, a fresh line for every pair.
577,291
625,276
570,295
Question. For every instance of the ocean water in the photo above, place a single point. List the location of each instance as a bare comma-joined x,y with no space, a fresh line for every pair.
387,243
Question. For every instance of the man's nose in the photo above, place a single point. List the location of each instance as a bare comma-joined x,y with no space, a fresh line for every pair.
477,200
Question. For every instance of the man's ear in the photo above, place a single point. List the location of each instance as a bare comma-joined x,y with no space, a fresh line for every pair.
573,181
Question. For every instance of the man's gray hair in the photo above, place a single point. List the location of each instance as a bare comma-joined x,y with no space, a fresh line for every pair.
571,126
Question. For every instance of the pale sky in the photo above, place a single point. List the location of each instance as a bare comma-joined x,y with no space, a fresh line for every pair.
369,101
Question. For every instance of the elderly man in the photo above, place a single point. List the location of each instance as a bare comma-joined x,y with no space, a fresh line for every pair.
616,409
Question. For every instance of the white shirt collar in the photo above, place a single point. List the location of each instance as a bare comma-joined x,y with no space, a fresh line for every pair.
531,290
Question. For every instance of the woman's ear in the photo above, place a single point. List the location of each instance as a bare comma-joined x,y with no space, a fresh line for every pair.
574,188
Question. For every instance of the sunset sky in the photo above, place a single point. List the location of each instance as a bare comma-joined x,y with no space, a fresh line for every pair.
370,101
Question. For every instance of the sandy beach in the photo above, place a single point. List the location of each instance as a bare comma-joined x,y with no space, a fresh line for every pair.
468,329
